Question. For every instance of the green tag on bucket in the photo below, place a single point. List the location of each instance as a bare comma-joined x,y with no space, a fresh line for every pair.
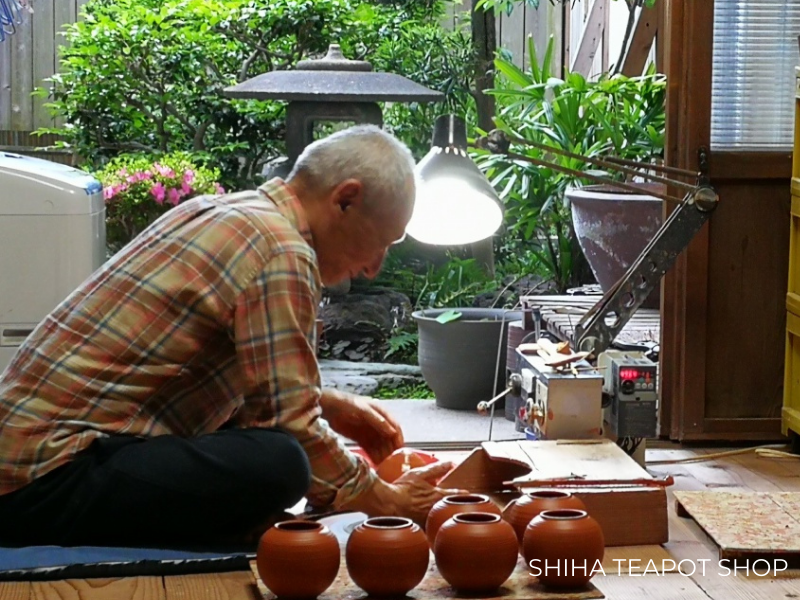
447,316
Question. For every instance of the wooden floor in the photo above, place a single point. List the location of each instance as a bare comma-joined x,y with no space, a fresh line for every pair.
748,472
560,315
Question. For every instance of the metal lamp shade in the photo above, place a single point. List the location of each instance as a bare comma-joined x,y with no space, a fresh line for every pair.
455,203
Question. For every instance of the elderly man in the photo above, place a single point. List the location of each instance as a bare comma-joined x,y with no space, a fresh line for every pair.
175,399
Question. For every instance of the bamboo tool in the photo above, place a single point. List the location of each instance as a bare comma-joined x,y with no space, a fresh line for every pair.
580,481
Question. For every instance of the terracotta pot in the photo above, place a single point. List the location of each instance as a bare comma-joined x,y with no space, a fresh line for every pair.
614,226
476,552
453,505
298,559
563,547
402,460
387,556
522,511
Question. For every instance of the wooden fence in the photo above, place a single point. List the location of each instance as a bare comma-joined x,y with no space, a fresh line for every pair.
27,58
513,30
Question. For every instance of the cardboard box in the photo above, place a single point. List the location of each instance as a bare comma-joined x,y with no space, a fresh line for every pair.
628,502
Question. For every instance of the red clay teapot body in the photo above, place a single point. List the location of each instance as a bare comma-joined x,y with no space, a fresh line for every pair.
563,548
453,505
298,559
401,461
476,552
522,511
387,556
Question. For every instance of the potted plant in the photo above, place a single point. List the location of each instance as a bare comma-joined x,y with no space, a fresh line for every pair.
565,214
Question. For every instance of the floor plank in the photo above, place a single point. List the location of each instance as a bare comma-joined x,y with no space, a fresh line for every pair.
129,588
15,591
670,586
720,581
237,585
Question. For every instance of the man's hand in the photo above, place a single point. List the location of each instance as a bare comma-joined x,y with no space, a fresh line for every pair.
364,421
412,495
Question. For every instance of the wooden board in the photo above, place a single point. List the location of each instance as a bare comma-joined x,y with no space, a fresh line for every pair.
747,525
560,315
630,515
520,586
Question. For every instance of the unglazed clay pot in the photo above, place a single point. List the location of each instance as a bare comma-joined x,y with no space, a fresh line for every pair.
521,511
387,556
298,559
402,460
476,552
453,505
563,548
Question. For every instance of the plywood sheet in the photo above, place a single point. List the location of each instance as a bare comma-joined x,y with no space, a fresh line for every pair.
747,525
520,586
586,460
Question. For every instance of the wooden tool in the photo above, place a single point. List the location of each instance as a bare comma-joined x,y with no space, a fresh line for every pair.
580,481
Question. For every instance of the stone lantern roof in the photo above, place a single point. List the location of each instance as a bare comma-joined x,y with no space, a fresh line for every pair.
333,78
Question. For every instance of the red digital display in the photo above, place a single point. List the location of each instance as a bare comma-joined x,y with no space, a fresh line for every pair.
629,374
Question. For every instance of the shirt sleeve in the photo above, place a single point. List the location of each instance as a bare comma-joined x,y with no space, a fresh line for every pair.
274,330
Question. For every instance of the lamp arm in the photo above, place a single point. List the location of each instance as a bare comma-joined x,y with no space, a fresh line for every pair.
501,140
583,175
598,328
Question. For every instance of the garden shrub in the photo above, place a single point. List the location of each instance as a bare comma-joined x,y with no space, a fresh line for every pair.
148,75
140,188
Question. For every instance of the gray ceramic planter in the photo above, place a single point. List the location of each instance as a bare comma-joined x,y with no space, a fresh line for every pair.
613,227
459,359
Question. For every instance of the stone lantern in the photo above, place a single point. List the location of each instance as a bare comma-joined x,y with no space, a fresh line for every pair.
330,89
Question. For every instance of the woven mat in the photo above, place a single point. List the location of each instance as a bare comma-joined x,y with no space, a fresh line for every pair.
520,586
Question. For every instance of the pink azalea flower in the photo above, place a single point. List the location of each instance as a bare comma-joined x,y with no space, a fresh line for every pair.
186,188
188,176
219,188
174,196
108,193
164,171
158,192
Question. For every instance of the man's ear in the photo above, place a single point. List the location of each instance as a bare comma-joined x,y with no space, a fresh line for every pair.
348,194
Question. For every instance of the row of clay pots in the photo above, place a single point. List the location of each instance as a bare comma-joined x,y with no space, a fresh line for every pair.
551,529
475,544
385,556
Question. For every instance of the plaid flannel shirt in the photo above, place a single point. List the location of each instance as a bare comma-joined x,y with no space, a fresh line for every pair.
206,319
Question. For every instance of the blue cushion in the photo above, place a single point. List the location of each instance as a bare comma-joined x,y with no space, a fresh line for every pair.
38,563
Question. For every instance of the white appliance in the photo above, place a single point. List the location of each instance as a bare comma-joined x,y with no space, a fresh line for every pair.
52,238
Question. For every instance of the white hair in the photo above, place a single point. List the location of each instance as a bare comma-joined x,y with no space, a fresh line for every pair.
383,164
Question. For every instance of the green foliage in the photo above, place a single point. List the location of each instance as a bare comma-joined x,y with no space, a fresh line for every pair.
140,188
402,347
614,115
438,59
409,391
149,75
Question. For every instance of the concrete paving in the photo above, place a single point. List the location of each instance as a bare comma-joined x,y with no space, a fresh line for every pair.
424,422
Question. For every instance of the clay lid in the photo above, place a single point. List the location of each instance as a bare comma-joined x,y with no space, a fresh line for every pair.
333,78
